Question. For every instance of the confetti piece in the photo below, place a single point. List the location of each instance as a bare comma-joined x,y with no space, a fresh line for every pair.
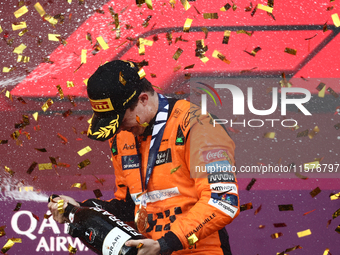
177,54
322,92
145,124
47,104
210,15
3,141
261,226
20,49
226,36
35,217
303,133
71,249
84,163
244,32
23,59
315,192
336,20
187,25
146,21
192,239
254,51
279,225
175,169
23,32
258,210
9,95
226,7
301,176
288,207
60,206
185,4
189,67
308,212
84,151
313,132
270,135
265,8
293,248
251,183
69,84
338,229
2,231
141,73
17,207
102,43
336,213
334,94
1,30
311,165
7,246
45,166
304,233
8,170
79,185
290,51
31,168
53,37
276,235
20,12
83,56
35,116
219,55
50,19
245,207
97,193
40,9
335,196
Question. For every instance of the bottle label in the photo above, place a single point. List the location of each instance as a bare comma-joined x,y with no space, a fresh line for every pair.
114,241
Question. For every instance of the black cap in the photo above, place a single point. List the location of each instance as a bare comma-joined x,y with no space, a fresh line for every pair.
111,90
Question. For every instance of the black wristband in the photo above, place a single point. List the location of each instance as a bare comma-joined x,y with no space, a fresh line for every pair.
165,249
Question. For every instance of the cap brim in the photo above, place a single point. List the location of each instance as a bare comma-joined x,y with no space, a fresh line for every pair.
104,127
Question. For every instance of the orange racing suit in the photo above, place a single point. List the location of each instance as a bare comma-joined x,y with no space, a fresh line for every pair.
192,193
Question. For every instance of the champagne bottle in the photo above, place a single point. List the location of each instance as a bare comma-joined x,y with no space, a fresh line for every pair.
100,230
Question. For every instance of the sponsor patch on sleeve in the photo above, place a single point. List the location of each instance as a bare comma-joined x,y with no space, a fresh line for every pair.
223,187
218,166
227,198
221,177
223,207
130,162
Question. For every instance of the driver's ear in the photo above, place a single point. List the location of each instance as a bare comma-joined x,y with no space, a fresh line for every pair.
143,98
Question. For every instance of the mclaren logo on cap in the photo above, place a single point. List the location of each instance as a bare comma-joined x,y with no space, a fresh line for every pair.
102,105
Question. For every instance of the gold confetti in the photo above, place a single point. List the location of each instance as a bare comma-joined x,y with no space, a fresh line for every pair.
185,4
288,207
23,59
244,32
98,193
35,116
84,151
8,170
84,163
20,12
175,169
335,196
19,25
60,91
79,185
334,94
17,207
85,81
9,95
293,248
177,54
270,135
60,206
326,252
71,249
328,223
265,8
145,124
276,235
254,51
102,43
301,176
313,132
261,226
40,9
226,7
304,233
279,225
247,206
322,91
20,49
121,79
23,32
7,246
258,210
338,229
189,67
141,73
210,15
47,104
69,84
45,166
50,19
226,36
311,165
1,30
315,192
83,56
187,25
336,213
146,21
336,20
290,51
217,54
2,231
192,239
31,168
3,141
